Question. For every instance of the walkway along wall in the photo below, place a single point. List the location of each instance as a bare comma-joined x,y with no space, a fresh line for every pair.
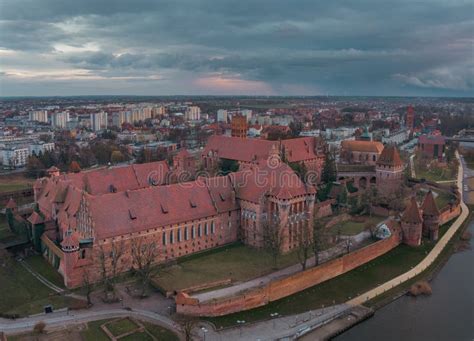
290,285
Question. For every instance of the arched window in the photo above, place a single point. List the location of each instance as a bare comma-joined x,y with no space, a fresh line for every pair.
163,238
185,233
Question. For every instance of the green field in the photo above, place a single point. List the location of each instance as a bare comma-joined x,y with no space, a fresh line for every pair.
236,261
339,289
435,173
23,294
10,183
352,228
443,198
95,333
41,266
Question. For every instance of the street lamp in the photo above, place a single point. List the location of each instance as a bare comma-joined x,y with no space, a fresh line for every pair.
240,322
204,331
272,315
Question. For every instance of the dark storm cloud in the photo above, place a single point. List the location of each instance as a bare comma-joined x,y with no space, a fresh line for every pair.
360,47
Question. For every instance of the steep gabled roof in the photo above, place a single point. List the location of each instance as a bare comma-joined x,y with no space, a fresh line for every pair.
412,213
429,206
390,157
35,218
139,210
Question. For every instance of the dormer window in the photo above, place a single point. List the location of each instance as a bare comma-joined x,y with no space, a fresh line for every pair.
132,214
192,203
164,208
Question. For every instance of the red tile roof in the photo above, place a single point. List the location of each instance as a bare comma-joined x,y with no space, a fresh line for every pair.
390,157
279,181
412,213
429,205
152,207
248,150
362,146
11,204
35,218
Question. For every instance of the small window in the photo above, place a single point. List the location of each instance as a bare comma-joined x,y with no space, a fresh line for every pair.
179,235
199,230
132,214
192,203
205,229
171,237
192,232
212,227
163,238
164,208
185,233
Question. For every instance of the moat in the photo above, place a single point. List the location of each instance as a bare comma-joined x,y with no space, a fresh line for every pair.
446,315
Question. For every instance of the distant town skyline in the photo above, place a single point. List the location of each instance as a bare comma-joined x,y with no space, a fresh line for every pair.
209,47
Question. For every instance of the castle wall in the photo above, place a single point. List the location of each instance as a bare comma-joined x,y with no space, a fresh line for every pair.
290,285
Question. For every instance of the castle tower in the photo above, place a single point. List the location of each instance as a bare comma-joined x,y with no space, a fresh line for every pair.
412,224
239,126
37,229
70,247
389,170
430,217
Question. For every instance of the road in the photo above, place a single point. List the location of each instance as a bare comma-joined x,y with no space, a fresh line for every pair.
428,260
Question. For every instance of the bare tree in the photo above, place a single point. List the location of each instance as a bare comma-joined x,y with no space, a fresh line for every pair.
319,240
272,239
187,323
144,256
87,285
305,243
109,260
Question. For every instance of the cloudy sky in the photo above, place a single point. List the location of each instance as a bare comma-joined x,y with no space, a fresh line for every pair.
291,47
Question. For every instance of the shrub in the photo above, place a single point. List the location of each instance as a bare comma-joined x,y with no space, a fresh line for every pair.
39,327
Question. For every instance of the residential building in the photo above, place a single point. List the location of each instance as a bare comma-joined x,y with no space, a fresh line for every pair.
99,121
60,119
39,116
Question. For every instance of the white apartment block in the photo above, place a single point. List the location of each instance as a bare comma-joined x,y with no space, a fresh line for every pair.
99,121
41,147
193,113
222,115
15,157
39,116
60,119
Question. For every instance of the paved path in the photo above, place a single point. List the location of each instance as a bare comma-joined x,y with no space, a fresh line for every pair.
60,319
428,260
324,256
40,278
283,328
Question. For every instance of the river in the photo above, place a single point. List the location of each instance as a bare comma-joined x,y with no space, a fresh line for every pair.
447,315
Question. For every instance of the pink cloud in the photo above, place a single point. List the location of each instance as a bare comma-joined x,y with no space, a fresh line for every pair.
223,85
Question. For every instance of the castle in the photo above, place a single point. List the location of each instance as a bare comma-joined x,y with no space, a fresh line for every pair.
80,215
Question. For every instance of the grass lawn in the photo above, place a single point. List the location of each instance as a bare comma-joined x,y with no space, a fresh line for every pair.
443,198
121,326
10,183
95,333
235,261
352,228
41,266
339,289
435,174
23,294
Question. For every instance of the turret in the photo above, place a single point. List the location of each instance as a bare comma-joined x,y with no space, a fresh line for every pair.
430,217
412,224
389,169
